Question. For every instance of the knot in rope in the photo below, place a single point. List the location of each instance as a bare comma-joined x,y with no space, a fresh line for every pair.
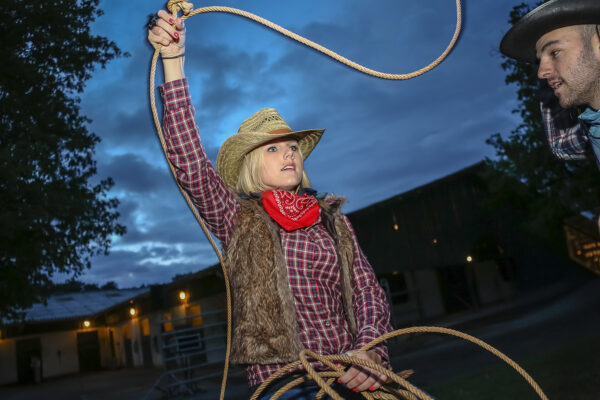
175,5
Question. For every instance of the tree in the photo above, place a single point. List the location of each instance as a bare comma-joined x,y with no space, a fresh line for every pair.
53,219
525,172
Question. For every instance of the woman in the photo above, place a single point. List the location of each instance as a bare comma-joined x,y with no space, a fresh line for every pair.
298,277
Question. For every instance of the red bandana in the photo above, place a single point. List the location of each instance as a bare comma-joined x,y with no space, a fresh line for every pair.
289,210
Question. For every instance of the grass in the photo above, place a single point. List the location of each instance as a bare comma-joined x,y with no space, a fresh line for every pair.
570,372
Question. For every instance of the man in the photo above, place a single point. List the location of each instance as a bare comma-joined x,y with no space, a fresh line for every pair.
564,37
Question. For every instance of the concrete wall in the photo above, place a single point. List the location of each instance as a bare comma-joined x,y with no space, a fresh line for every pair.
59,353
155,330
8,361
490,286
428,289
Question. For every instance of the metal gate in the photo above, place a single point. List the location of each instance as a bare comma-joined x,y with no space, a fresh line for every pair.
193,352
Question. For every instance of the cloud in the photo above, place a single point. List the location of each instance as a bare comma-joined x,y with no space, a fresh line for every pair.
149,264
134,174
382,138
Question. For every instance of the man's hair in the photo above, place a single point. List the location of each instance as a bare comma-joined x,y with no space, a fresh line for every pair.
587,33
250,180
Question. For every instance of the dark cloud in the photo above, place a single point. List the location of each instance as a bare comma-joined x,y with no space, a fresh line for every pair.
382,137
133,174
153,263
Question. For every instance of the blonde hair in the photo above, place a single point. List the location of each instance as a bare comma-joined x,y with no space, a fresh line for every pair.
249,178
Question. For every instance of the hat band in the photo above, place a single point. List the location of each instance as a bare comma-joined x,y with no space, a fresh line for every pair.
282,130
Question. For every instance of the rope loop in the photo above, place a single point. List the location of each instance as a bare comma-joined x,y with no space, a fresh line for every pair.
396,387
405,390
179,5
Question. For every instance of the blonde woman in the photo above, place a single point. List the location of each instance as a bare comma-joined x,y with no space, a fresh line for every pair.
298,276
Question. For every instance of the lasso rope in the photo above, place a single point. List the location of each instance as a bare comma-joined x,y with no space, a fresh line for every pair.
405,390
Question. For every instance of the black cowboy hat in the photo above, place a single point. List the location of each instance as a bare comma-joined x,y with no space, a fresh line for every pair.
519,42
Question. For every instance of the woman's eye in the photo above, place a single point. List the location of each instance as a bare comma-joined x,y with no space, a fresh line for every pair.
272,149
294,148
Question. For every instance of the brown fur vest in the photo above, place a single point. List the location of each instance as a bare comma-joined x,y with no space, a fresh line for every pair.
265,327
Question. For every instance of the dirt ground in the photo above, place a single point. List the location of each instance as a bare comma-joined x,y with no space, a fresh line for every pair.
522,329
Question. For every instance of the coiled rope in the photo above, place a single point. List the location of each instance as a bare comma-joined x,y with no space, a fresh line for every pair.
404,390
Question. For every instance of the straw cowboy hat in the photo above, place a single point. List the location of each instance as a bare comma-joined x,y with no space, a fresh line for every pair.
260,128
519,42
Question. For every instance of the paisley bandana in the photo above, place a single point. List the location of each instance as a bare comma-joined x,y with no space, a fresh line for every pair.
289,210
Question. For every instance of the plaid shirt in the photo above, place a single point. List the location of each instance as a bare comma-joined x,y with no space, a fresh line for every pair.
310,254
568,143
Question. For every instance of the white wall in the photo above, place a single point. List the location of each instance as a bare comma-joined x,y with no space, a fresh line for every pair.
8,361
59,353
430,296
490,285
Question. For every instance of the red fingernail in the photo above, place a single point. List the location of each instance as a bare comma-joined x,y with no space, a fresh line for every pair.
170,20
354,390
371,388
176,35
339,381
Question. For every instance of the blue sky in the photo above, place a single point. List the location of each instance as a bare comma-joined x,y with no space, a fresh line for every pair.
382,137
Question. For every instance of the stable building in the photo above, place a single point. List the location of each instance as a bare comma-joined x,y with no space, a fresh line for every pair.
75,332
438,249
175,325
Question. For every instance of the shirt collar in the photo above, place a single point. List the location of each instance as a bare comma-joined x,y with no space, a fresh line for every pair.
303,191
590,116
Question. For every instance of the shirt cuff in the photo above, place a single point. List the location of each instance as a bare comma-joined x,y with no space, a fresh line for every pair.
175,94
367,335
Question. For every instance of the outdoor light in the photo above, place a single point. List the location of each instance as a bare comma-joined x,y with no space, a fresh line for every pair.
182,295
86,323
434,241
395,227
132,311
469,258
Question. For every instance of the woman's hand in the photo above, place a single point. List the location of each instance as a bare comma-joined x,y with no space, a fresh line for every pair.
360,378
168,34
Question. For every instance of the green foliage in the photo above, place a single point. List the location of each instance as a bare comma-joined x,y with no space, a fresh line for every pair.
73,285
525,173
53,219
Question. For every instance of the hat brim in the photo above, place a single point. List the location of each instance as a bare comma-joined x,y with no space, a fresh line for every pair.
231,154
519,42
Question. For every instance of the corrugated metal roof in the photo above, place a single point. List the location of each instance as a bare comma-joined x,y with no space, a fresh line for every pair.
79,304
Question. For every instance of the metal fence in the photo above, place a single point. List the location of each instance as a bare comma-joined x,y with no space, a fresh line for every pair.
192,350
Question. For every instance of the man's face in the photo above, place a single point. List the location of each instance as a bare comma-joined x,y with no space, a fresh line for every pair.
571,68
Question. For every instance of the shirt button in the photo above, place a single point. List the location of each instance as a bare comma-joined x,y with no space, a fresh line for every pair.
309,266
327,323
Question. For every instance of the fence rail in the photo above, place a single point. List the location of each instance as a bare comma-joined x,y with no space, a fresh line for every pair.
191,353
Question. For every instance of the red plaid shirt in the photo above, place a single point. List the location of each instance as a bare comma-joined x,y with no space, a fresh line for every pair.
566,144
309,253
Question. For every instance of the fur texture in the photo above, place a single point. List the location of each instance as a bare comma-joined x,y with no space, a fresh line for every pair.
265,328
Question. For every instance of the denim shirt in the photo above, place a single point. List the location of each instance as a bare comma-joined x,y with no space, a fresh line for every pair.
592,118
